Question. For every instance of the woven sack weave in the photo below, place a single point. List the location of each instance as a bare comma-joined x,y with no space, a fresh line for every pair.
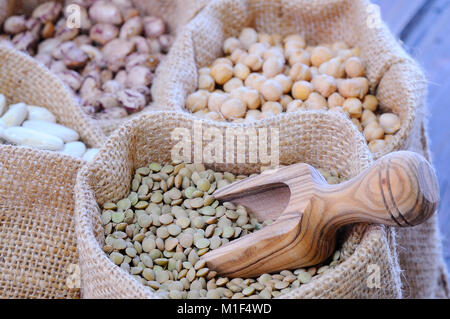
394,77
321,139
36,193
176,13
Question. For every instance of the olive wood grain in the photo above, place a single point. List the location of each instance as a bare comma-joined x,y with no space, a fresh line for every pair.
400,189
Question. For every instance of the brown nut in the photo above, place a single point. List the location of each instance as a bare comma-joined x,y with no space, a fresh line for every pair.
153,26
72,56
139,76
105,12
131,100
133,27
47,12
102,33
14,25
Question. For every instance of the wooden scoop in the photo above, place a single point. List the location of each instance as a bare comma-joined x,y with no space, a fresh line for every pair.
400,189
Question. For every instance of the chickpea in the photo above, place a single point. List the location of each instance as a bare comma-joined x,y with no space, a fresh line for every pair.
232,84
354,67
335,100
324,84
239,92
294,105
277,39
338,109
339,46
271,90
376,146
373,131
215,116
302,56
253,61
251,99
293,46
222,60
258,49
301,90
355,87
230,45
241,71
295,37
255,81
222,73
216,100
320,55
238,56
345,53
204,71
316,101
370,102
247,37
285,100
254,115
274,52
353,106
357,124
272,107
272,67
206,82
300,72
334,68
390,123
368,117
285,81
197,101
233,108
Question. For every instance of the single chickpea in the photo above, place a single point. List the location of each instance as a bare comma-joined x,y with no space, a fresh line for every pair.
233,108
216,100
294,105
251,99
357,124
265,38
285,100
197,101
373,131
239,92
232,84
206,82
222,60
316,101
301,90
274,52
376,146
258,49
320,55
367,117
222,73
238,56
302,56
370,102
324,84
390,123
241,71
247,37
254,62
333,67
214,116
335,100
255,81
353,106
300,72
204,71
231,44
272,107
293,46
285,81
271,90
254,115
272,67
355,87
354,67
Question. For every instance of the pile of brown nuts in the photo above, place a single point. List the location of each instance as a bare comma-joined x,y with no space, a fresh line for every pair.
262,75
108,58
170,219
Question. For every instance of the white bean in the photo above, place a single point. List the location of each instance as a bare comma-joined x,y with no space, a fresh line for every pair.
65,133
75,149
15,116
28,137
37,113
90,154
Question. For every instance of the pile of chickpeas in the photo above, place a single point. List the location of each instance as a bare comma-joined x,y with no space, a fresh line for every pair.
262,75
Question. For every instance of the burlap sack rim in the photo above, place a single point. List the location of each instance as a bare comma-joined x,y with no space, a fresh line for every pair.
97,137
402,59
368,233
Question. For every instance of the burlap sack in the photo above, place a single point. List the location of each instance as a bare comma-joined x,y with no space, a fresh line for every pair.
323,140
36,197
176,13
394,76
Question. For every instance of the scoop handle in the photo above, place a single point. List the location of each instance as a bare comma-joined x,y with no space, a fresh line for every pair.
400,189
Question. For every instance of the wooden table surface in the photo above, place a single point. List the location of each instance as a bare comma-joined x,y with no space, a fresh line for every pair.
423,26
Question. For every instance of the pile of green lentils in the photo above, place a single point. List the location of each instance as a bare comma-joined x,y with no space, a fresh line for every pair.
170,219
